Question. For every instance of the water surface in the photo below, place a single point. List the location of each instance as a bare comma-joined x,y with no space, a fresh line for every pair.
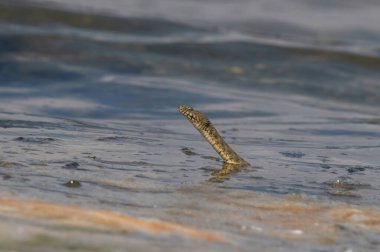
90,96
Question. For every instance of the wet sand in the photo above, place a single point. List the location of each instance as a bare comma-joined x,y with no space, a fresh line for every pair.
244,216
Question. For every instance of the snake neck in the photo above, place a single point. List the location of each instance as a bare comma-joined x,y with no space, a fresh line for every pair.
221,147
205,127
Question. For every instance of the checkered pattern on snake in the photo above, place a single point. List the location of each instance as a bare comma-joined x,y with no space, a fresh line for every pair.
205,127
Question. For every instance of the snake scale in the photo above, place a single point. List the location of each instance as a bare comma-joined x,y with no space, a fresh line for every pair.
206,128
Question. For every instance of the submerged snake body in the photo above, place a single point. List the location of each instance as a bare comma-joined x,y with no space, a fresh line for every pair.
205,127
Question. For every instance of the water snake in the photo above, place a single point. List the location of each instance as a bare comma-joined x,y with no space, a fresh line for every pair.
207,129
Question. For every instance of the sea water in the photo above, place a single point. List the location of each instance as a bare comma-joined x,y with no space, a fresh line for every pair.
89,92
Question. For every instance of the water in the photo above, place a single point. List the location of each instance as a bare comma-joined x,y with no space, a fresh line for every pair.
88,116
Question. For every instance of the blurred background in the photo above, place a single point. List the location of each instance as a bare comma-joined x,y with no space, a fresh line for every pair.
68,50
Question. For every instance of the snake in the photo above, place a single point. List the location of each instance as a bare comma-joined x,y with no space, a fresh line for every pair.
200,121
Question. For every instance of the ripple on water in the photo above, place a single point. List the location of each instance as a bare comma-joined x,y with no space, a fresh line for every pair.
7,164
293,154
27,124
188,151
71,165
36,140
345,186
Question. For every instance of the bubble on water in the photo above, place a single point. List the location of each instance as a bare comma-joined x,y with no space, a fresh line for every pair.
345,186
296,232
346,183
73,184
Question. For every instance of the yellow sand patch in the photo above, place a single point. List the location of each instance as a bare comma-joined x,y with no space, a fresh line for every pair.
77,216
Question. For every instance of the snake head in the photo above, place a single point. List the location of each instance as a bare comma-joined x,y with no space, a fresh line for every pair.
197,118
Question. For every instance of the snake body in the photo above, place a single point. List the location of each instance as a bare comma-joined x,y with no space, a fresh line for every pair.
206,128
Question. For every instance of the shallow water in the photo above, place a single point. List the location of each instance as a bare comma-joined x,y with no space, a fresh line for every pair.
88,111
